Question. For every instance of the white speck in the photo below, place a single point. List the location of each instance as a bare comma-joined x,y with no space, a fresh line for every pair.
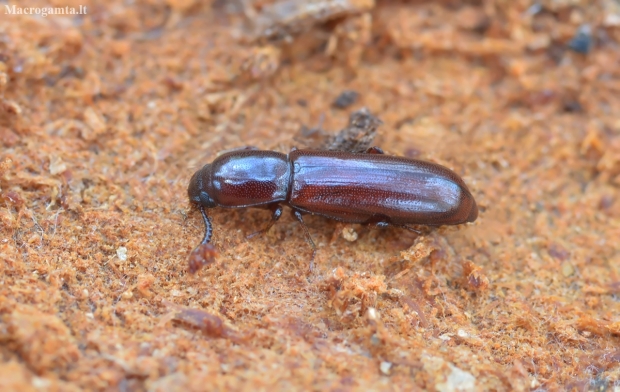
612,20
40,383
386,368
121,252
462,334
349,234
534,9
452,379
458,380
57,165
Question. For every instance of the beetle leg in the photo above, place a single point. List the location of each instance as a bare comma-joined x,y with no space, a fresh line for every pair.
208,227
308,236
411,229
374,150
380,223
277,213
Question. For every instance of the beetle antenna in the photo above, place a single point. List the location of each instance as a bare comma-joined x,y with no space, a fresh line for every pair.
208,227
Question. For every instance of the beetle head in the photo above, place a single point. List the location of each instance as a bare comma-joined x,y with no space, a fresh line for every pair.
199,186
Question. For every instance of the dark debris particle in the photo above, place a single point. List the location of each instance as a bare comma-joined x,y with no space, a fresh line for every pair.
346,99
210,324
358,135
582,42
606,202
572,106
558,252
556,52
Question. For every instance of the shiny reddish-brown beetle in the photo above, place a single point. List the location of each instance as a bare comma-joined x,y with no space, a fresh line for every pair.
370,187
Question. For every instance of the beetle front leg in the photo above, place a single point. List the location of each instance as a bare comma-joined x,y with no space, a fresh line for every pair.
277,213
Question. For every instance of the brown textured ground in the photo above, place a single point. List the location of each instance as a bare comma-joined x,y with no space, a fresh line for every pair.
104,117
